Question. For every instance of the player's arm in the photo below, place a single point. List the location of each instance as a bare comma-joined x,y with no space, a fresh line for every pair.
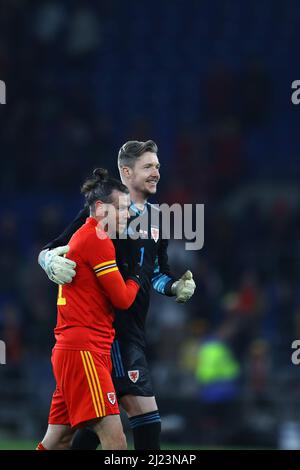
58,268
101,256
162,279
166,284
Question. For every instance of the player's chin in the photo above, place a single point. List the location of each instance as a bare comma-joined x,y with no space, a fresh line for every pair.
151,188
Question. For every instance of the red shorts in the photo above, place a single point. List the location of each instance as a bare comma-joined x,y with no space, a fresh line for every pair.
84,387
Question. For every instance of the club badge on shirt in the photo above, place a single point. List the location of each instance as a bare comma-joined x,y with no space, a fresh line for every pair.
134,375
155,233
112,397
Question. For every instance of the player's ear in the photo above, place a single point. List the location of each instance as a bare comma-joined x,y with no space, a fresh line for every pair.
99,209
125,172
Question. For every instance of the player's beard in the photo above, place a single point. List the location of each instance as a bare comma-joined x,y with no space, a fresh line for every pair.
149,189
146,193
144,189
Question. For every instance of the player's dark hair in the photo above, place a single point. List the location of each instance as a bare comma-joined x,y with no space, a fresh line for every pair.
99,187
131,151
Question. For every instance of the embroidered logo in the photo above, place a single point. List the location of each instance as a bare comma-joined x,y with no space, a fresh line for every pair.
133,375
112,397
155,233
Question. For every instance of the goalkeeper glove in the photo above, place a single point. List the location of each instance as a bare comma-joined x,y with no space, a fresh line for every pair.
184,288
58,268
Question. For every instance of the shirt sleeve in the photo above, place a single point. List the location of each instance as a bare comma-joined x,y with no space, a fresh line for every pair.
101,256
162,279
64,237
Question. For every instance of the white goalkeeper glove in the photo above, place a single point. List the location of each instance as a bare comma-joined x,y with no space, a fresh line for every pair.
58,268
184,288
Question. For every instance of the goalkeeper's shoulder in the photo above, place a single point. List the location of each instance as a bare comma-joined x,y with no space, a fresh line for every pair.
153,207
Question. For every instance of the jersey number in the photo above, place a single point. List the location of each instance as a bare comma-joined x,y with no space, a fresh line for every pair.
60,299
142,256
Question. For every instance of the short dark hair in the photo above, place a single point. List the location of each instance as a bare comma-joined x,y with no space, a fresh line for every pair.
99,187
131,151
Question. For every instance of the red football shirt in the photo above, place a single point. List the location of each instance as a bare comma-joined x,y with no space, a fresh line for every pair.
86,305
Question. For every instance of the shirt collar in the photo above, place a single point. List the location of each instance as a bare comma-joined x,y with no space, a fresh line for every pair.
136,210
92,221
100,233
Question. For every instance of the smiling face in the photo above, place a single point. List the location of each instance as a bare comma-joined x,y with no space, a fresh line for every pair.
144,175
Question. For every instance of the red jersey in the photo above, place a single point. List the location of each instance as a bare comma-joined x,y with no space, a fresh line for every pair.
86,305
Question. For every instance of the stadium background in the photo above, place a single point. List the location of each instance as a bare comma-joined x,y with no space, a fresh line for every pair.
210,82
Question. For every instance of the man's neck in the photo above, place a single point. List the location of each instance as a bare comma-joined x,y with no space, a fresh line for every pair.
138,199
102,223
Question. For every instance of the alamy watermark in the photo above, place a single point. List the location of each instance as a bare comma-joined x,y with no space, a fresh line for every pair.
2,92
296,94
157,222
2,352
296,354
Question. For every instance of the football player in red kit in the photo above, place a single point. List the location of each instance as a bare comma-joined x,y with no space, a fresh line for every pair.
85,393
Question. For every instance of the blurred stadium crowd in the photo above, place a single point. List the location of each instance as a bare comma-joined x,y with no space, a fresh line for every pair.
206,82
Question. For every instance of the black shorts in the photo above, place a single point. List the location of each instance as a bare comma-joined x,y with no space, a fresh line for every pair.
131,375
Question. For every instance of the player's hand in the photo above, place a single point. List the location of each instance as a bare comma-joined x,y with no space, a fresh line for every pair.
131,270
184,288
59,269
